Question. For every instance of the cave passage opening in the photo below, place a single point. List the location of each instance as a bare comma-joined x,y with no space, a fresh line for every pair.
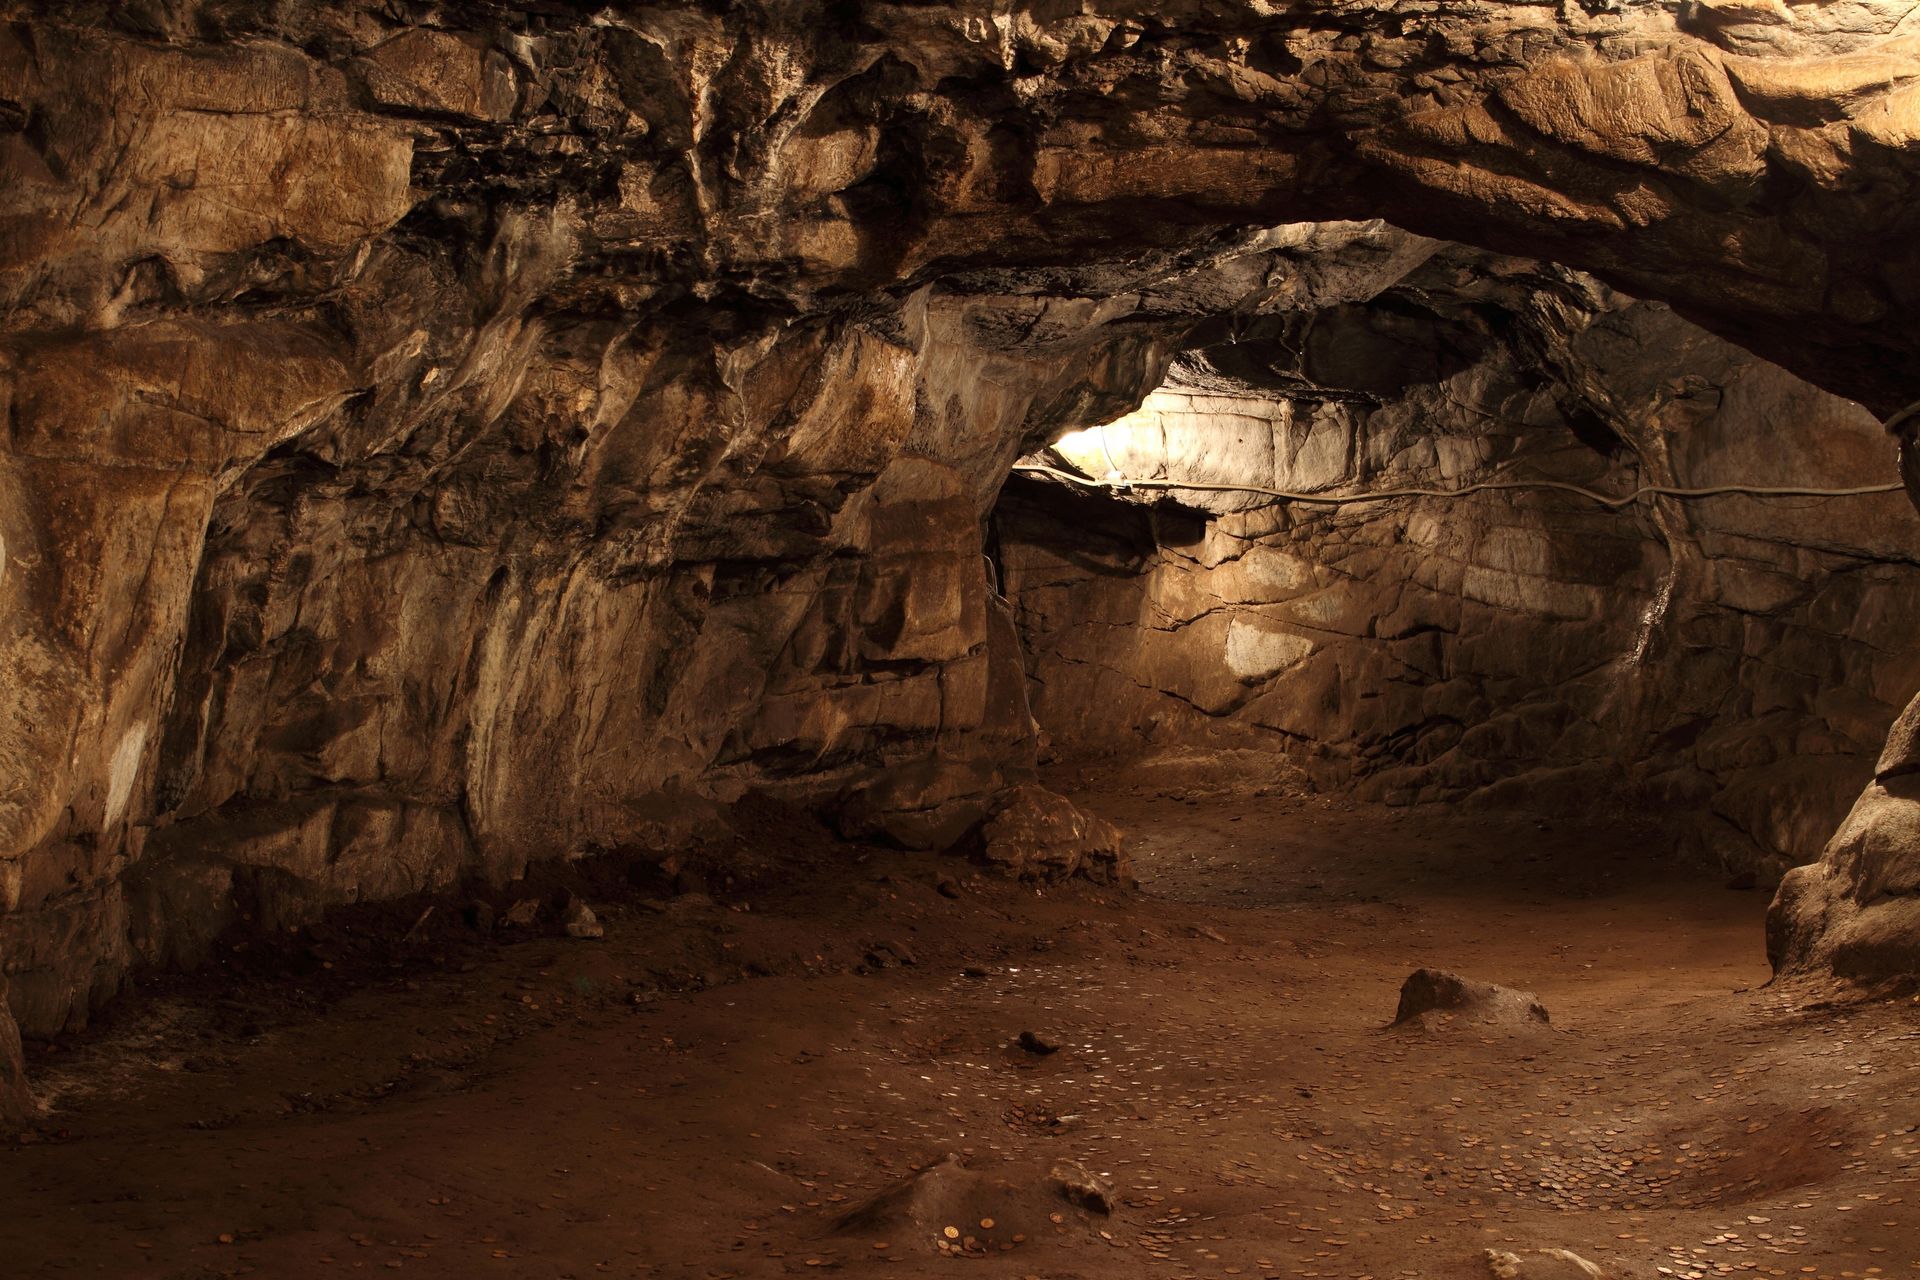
1492,535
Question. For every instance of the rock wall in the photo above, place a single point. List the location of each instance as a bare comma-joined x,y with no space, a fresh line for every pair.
1735,660
441,435
1855,913
468,595
491,623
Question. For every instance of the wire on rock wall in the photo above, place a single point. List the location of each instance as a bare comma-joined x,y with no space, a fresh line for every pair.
1610,500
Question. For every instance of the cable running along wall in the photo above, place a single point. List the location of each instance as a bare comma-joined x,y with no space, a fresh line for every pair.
1610,500
1379,496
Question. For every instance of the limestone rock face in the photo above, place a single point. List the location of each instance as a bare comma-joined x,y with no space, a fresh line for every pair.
1732,660
1855,913
1042,835
440,437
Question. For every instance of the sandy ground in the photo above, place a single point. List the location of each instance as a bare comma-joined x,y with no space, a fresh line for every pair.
722,1085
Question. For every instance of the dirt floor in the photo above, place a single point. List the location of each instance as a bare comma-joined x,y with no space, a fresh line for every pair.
744,1081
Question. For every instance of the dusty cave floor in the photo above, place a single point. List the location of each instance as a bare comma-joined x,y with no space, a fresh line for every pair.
553,1107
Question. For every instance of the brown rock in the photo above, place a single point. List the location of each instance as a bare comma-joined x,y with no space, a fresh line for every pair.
993,1206
16,1101
1541,1264
582,923
1081,1187
1036,1044
1902,751
1433,997
1040,835
439,72
1855,913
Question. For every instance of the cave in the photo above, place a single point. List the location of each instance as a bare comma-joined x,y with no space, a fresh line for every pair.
1268,638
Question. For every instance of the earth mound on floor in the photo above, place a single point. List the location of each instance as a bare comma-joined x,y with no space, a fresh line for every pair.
951,1209
1431,998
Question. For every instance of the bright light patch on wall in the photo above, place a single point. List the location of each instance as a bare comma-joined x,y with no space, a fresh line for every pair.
1075,443
1101,451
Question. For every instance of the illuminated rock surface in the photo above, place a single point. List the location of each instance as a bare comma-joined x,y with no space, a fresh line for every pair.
1734,662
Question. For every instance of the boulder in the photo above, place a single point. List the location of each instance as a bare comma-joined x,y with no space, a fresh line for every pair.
1078,1185
582,922
1041,835
1855,913
1432,998
1541,1264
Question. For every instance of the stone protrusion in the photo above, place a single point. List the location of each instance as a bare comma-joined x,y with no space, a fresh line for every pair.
16,1099
1433,997
1041,835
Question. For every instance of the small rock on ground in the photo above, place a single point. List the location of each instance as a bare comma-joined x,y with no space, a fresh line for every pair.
1430,992
582,923
1037,1044
1541,1264
1081,1186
